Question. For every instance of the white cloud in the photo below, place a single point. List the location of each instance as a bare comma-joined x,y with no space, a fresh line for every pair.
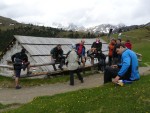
80,12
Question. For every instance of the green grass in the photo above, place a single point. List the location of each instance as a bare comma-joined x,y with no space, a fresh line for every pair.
7,82
134,98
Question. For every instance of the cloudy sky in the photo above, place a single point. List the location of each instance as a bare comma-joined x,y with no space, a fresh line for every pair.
80,12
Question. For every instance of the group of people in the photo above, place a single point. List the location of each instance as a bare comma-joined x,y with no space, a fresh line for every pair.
125,63
122,61
113,57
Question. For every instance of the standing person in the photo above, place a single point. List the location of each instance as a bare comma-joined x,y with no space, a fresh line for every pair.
116,57
57,57
110,53
20,61
127,70
73,66
128,44
81,52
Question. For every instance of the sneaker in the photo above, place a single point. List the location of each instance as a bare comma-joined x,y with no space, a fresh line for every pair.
18,87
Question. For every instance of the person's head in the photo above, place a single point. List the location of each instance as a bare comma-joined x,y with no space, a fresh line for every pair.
127,40
113,41
23,50
82,41
58,46
118,41
97,40
120,48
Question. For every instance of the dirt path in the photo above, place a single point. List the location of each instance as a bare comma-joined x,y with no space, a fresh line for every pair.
24,95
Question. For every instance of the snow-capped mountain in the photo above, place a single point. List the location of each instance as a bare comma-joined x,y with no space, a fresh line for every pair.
103,28
71,26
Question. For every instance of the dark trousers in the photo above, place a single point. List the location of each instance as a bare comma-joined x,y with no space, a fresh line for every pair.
113,72
61,62
110,60
72,76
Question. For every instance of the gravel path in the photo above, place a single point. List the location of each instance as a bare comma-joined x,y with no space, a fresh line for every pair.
24,95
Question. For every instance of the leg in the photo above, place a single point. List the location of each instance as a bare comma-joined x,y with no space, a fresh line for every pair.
83,62
79,75
53,61
17,74
54,67
92,61
71,77
109,74
62,60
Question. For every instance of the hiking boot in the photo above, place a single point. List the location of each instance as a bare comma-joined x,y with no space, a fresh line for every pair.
28,73
60,67
72,84
18,87
82,81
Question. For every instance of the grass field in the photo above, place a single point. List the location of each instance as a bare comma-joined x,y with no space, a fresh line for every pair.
133,98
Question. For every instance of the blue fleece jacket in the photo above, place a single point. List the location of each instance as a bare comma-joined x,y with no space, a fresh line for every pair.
129,58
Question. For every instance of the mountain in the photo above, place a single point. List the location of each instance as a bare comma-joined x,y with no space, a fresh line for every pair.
69,27
7,21
103,28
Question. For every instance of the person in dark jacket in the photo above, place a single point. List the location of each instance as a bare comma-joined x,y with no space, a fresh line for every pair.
20,61
126,70
57,57
97,47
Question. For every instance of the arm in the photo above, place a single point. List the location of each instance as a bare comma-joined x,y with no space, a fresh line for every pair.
125,65
12,57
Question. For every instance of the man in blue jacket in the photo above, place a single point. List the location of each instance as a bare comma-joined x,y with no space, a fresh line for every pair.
126,70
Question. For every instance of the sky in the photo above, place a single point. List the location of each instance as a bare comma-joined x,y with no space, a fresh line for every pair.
87,13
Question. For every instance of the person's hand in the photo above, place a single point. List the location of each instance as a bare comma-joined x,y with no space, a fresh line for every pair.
114,66
116,79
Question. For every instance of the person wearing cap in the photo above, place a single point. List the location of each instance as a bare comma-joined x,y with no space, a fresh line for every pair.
126,70
81,52
20,61
72,64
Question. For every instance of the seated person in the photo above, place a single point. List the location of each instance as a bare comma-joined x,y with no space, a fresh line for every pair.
80,48
96,48
57,57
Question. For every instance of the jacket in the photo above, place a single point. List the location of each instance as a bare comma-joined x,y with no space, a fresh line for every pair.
128,59
72,60
83,50
56,53
98,46
111,49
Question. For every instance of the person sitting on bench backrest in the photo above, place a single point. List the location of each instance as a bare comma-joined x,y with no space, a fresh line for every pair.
57,57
